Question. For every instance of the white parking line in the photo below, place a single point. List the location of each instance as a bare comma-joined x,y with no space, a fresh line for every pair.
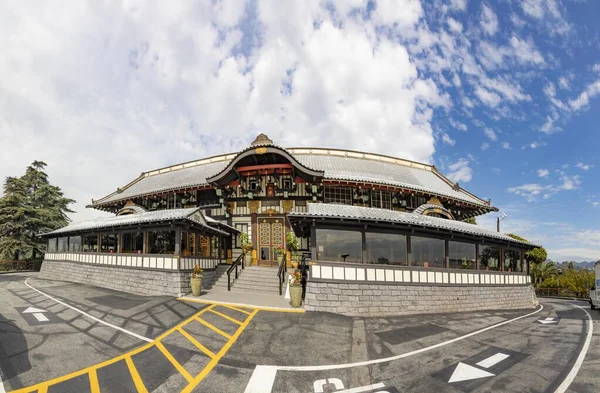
2,390
573,373
89,316
260,380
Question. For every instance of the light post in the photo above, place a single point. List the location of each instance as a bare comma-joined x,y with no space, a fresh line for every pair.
498,221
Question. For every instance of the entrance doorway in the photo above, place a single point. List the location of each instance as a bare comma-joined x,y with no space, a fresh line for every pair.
271,233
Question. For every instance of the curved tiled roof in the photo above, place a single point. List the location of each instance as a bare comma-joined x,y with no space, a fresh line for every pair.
385,215
137,218
343,165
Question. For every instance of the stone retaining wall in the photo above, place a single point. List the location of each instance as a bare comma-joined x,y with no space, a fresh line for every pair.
381,300
132,280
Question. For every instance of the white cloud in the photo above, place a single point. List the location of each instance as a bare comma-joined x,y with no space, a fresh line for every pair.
458,125
489,20
543,173
548,127
490,134
487,97
583,166
584,98
569,182
505,145
520,52
460,171
533,8
455,25
182,82
530,191
460,5
564,83
533,145
484,146
526,52
448,140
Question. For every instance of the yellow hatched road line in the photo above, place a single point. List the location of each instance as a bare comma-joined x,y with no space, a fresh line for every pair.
94,386
226,317
137,380
237,309
212,327
201,347
174,361
219,355
43,386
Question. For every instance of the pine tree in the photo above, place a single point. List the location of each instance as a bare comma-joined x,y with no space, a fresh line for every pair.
30,206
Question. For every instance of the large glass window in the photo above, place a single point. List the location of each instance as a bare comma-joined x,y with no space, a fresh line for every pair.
381,199
188,243
489,258
108,243
63,244
386,249
161,242
427,252
333,194
51,245
133,242
512,261
339,245
461,255
75,243
90,243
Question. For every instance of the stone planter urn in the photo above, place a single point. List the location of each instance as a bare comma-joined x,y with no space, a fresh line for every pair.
279,259
248,259
196,284
294,264
296,295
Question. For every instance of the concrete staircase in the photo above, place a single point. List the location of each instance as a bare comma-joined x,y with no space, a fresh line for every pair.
251,279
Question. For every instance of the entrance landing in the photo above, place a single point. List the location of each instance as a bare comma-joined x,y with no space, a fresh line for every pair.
259,300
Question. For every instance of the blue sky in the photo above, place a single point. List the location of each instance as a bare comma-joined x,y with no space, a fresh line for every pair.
502,96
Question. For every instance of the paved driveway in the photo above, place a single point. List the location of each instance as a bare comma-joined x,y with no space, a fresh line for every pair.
64,337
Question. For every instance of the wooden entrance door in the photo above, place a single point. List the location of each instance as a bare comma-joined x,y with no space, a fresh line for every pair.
271,233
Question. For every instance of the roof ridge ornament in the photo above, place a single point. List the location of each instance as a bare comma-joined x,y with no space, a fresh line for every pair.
261,139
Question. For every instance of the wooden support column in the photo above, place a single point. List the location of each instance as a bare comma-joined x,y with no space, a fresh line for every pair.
313,241
476,256
177,241
447,254
409,250
364,244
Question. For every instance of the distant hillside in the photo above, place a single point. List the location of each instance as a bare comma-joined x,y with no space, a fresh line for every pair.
576,265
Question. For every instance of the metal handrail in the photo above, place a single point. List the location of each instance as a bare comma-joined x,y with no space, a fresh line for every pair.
281,273
304,269
234,265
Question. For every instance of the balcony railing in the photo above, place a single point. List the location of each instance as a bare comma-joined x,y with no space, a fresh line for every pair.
346,272
144,261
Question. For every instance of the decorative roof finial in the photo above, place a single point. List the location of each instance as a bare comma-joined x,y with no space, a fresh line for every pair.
261,139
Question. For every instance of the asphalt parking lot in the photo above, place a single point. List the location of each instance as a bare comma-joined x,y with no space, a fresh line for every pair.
64,337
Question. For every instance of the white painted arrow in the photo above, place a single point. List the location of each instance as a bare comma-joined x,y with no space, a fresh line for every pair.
548,320
37,313
464,372
32,310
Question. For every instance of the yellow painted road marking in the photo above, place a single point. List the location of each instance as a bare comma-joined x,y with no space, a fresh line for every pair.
259,308
137,380
211,327
43,386
226,317
201,347
237,309
94,386
174,361
219,355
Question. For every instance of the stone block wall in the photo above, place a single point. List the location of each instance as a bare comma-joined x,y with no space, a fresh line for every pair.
380,300
131,280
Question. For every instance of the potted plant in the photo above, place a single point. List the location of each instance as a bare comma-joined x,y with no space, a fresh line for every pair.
295,282
196,280
292,245
246,248
279,251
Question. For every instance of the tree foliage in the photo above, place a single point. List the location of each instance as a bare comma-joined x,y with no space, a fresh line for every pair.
536,256
470,220
541,272
30,206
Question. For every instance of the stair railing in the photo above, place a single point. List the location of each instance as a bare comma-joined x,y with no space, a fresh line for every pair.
304,269
281,273
234,265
